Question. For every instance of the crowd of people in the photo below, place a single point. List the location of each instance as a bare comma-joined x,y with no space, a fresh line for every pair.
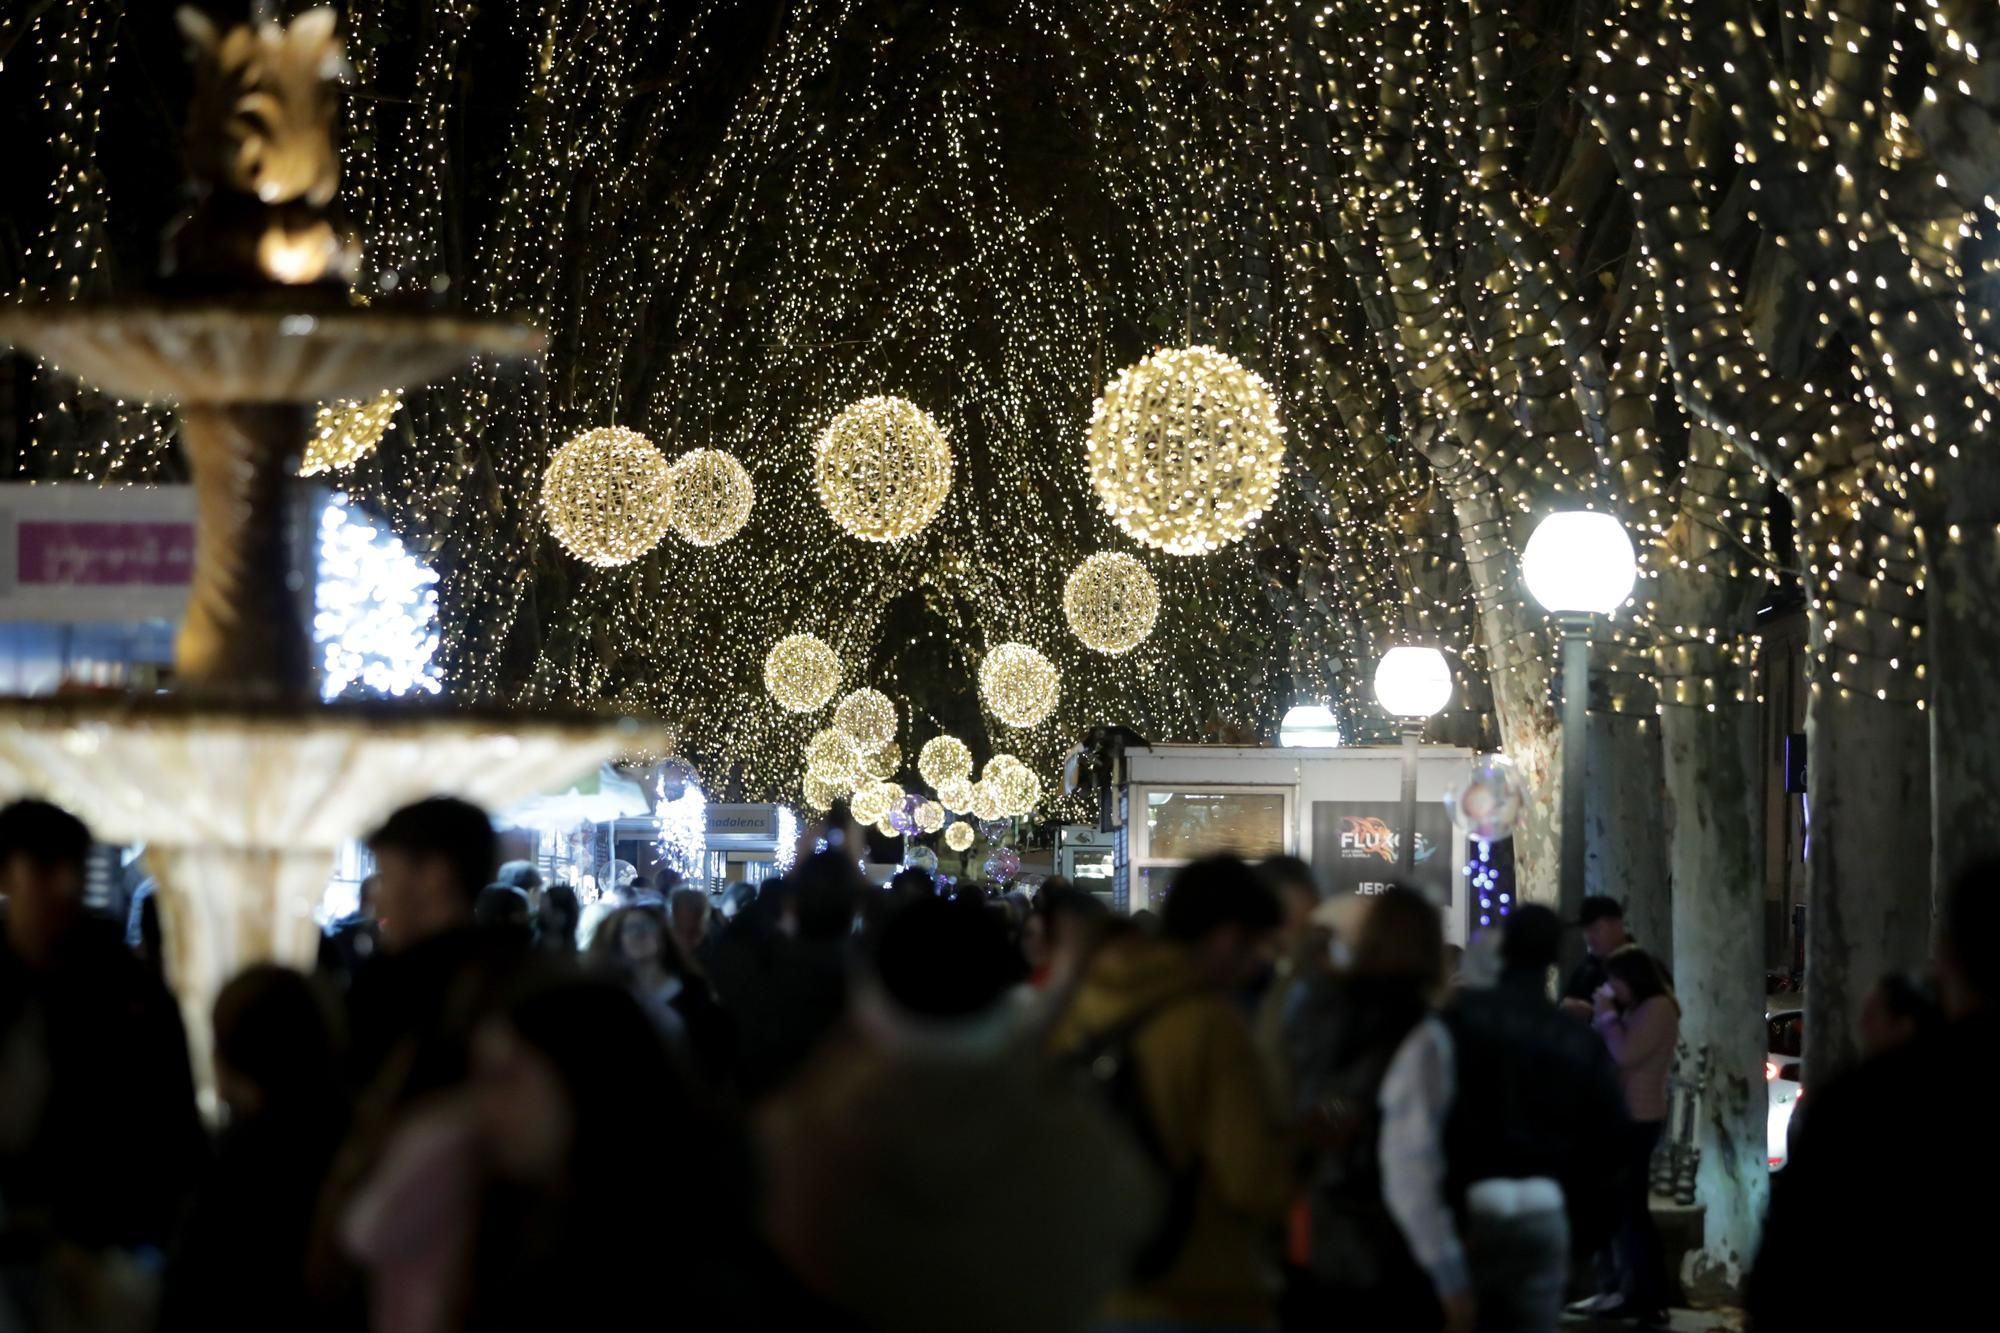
880,1110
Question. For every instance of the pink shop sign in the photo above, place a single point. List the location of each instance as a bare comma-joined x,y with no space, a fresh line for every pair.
60,553
80,554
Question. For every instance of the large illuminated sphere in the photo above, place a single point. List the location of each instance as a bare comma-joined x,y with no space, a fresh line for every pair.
1185,450
959,836
929,817
1579,560
871,803
882,469
882,762
822,792
1111,602
346,432
606,496
1017,788
956,793
1018,684
711,497
833,755
942,759
801,673
987,801
868,716
1412,681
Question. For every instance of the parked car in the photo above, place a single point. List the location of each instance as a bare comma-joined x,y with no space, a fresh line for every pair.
1784,1047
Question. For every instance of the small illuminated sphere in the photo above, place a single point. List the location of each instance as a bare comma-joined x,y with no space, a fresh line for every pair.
832,754
346,432
712,496
871,803
987,802
1111,602
606,496
956,793
1018,685
883,761
1185,450
868,716
930,817
801,673
1309,724
959,836
1413,680
821,793
882,469
942,759
1580,560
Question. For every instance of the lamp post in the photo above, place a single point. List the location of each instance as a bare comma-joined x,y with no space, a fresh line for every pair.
1579,564
1411,683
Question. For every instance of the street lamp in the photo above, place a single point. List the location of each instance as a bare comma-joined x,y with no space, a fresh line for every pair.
1579,565
1412,683
1309,724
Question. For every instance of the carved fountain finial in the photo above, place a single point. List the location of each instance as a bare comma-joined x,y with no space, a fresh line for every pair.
261,147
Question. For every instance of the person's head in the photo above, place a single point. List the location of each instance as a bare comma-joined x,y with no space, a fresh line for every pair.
521,875
43,849
689,910
1298,895
1634,977
274,1041
560,1080
737,899
556,918
1530,941
1900,1008
944,958
1603,922
1968,962
910,883
634,936
504,906
1399,936
1226,915
665,880
828,891
431,860
1062,928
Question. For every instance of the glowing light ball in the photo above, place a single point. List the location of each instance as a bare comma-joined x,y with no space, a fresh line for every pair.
1017,789
1580,560
1003,864
1019,685
1185,450
887,827
833,755
820,793
868,716
1487,803
1111,602
346,432
1309,724
942,759
1413,681
606,496
929,816
959,837
919,857
871,803
801,673
882,469
956,793
883,761
711,498
987,803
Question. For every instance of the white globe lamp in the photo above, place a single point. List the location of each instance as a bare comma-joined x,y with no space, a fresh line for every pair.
1309,724
1413,682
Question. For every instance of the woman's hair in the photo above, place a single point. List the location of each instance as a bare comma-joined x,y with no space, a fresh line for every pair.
1400,936
604,942
1641,973
274,1028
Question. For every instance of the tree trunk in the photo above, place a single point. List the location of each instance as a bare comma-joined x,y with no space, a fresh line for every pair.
1711,778
1962,598
1868,823
1625,837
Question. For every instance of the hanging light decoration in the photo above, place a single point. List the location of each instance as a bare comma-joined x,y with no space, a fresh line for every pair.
346,432
712,496
801,673
1013,784
1111,602
956,793
1018,684
882,762
872,802
887,828
1185,450
869,716
987,803
942,759
929,817
606,496
959,836
832,754
821,792
882,469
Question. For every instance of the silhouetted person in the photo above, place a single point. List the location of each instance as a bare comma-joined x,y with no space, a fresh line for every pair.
99,1137
556,918
1199,1102
688,909
352,941
504,907
240,1259
1603,923
1874,1220
787,989
1639,1019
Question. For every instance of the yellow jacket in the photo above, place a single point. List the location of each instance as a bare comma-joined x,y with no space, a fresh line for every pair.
1210,1098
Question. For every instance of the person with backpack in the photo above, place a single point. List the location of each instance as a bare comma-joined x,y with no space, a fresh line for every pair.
1155,1027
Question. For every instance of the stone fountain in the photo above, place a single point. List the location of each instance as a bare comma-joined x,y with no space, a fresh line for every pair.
242,784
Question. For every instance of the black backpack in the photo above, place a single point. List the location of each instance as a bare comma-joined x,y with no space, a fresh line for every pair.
1108,1066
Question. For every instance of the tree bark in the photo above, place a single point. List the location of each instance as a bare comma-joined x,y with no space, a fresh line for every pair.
1625,836
1962,597
1711,771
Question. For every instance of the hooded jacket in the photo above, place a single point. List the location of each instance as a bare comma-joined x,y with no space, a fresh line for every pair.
1211,1101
